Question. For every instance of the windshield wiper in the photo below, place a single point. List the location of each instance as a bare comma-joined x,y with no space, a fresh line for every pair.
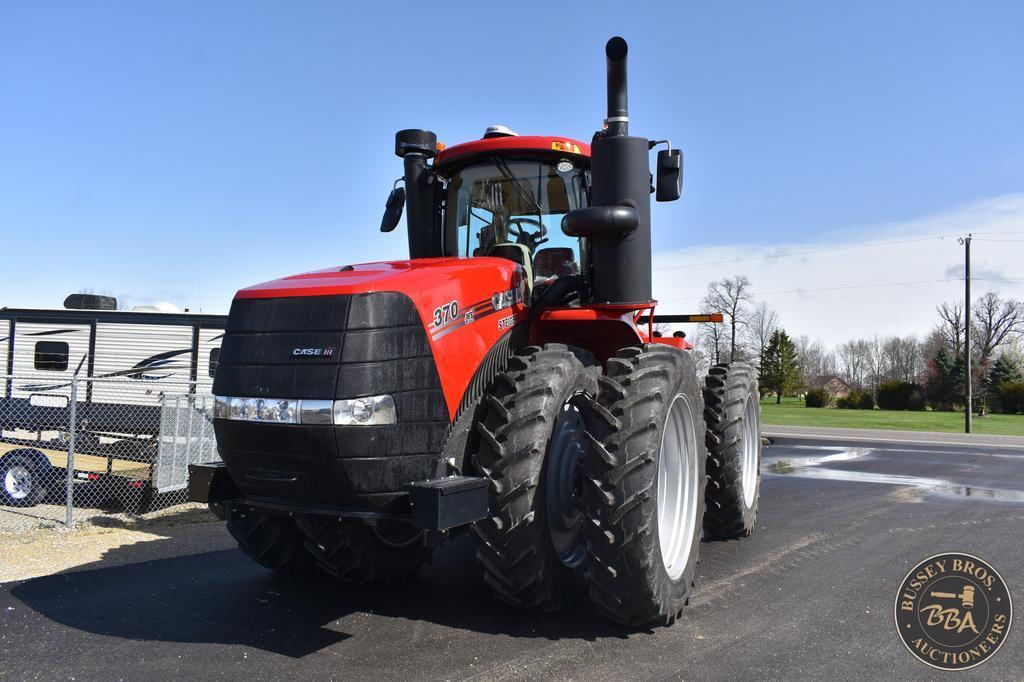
523,194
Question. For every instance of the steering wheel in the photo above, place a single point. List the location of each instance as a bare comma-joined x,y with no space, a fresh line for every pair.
529,239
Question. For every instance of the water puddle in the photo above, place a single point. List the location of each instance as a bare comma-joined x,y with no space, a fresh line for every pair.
812,467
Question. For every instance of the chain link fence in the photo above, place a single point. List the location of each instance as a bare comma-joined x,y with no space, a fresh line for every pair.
71,449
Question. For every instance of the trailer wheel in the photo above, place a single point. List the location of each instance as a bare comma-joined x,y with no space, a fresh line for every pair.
271,540
23,474
733,417
358,554
530,444
644,480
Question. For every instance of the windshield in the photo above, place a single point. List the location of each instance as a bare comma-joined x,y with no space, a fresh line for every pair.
513,208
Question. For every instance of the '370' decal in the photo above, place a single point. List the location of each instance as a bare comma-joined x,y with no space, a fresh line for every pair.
451,316
446,313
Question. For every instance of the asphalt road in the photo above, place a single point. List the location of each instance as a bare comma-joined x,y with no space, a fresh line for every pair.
809,595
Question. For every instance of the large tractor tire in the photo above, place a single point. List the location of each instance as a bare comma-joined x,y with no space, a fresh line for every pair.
732,413
358,554
270,539
644,480
530,443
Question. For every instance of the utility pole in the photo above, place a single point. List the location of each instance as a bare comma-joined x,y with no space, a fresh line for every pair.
966,241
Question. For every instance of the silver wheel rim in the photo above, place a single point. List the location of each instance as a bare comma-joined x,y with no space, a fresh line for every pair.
18,482
565,516
677,488
751,451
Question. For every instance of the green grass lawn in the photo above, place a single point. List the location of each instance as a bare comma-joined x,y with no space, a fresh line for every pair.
793,413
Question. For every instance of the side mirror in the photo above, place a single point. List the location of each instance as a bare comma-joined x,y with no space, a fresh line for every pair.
393,210
670,175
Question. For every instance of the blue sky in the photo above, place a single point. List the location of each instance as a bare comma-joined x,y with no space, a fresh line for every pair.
179,151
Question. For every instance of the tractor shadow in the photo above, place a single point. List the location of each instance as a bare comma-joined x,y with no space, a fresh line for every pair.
221,597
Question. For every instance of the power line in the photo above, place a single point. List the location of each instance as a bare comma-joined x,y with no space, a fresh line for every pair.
1000,280
791,254
819,289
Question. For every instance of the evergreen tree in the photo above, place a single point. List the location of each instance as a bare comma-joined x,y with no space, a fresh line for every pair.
1004,371
958,375
780,372
941,380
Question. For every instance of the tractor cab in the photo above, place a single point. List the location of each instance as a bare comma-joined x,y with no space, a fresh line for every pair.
502,196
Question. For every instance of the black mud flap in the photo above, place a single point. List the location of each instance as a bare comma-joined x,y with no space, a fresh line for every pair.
445,503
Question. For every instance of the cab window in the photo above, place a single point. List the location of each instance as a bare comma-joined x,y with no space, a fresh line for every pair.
513,208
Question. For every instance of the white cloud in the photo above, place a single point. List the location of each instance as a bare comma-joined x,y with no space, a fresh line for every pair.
837,288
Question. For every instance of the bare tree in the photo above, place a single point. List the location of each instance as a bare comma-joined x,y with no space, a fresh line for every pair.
931,344
817,364
951,325
731,298
829,366
701,351
995,321
903,358
854,359
876,363
764,320
713,343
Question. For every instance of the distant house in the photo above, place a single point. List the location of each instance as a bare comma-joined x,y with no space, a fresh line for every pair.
835,385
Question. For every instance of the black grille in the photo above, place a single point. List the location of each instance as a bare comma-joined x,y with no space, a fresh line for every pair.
377,345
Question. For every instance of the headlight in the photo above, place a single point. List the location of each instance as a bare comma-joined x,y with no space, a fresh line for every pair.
375,410
369,411
276,410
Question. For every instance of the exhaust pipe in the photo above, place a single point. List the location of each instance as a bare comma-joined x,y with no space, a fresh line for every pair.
618,222
617,121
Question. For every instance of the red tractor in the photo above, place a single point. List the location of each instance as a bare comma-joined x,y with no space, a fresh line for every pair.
505,378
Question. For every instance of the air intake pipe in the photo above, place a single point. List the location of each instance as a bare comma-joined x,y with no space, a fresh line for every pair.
416,147
620,235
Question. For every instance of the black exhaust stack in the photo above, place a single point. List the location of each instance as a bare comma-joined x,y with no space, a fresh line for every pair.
618,223
416,147
618,97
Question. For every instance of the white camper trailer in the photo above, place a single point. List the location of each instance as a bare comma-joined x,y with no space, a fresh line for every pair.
124,365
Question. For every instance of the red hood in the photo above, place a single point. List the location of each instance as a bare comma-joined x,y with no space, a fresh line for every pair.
401,275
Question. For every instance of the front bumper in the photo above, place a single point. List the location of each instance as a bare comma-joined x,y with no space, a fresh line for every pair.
437,504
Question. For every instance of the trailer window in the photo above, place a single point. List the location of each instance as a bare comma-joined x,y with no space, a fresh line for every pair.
51,356
214,359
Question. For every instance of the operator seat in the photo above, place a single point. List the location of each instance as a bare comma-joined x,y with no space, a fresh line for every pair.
555,261
517,253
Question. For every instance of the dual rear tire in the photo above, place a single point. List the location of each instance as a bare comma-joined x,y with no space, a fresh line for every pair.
644,480
610,473
733,415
